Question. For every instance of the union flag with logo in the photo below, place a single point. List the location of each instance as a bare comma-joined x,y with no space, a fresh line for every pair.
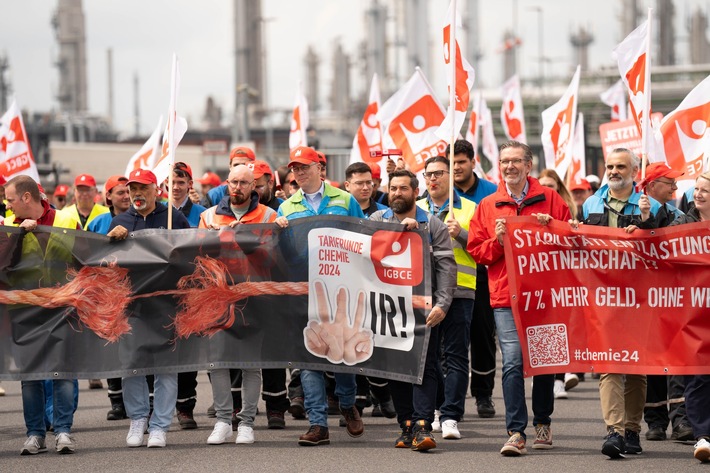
15,151
511,111
558,124
472,132
489,144
146,157
411,117
299,121
614,97
368,138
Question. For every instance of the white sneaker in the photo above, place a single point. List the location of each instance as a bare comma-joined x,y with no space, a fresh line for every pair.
571,380
157,438
222,431
34,445
559,389
450,429
702,450
436,425
64,443
245,434
135,432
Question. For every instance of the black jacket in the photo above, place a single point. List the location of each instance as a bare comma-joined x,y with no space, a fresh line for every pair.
158,218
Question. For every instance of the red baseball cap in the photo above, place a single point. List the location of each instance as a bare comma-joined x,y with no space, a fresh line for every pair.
259,168
183,167
142,176
580,185
61,190
242,152
304,155
112,182
210,178
321,155
375,170
658,170
85,180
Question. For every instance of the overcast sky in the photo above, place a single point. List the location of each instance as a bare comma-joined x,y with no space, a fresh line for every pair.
144,33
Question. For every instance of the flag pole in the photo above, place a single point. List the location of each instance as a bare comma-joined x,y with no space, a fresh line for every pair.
452,103
171,136
645,128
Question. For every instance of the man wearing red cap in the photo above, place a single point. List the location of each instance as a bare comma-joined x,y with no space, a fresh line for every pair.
85,209
146,213
264,184
30,210
318,198
208,181
59,198
238,155
660,184
580,189
182,183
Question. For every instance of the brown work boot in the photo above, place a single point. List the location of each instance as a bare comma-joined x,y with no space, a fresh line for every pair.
353,422
316,435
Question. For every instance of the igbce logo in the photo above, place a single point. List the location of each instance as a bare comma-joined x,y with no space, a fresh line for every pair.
397,257
409,132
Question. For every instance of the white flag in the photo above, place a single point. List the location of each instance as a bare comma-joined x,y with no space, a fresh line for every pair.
411,117
489,145
174,130
15,151
558,129
472,132
615,97
368,138
147,156
578,166
299,121
511,111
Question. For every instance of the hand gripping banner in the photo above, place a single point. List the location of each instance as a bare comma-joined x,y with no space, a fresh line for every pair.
600,300
328,293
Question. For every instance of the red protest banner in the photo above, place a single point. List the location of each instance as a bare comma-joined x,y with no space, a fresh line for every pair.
597,299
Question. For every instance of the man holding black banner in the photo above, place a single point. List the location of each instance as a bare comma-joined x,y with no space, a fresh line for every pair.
145,213
415,404
618,204
517,194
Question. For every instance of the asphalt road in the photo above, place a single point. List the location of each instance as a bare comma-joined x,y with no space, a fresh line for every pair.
577,435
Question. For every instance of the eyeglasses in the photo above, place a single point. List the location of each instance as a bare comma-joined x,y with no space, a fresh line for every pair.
671,183
302,168
362,183
235,183
436,174
508,162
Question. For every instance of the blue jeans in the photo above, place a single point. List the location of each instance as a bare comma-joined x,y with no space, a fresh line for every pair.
137,402
543,401
315,399
33,402
456,337
49,400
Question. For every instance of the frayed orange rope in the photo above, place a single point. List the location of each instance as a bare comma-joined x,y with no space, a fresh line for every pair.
100,296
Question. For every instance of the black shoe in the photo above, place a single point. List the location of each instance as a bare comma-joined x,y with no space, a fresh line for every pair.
186,420
633,442
682,432
117,412
422,440
614,446
405,440
656,433
485,407
387,409
275,419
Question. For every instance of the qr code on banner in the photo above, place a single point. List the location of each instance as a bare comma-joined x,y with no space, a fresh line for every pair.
548,345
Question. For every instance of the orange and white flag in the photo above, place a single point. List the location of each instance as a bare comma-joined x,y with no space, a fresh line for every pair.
410,117
460,77
488,143
615,97
633,56
299,121
15,151
472,132
578,166
368,138
146,157
558,123
683,137
511,111
175,128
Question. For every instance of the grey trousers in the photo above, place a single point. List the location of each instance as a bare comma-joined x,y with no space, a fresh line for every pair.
222,395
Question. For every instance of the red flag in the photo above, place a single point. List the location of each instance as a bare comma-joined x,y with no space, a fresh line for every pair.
511,111
299,121
368,138
462,79
411,117
558,128
15,151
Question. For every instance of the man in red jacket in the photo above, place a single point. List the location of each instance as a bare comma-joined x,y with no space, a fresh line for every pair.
518,194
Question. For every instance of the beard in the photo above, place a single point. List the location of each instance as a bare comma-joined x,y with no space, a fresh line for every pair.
402,205
617,185
139,203
238,198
